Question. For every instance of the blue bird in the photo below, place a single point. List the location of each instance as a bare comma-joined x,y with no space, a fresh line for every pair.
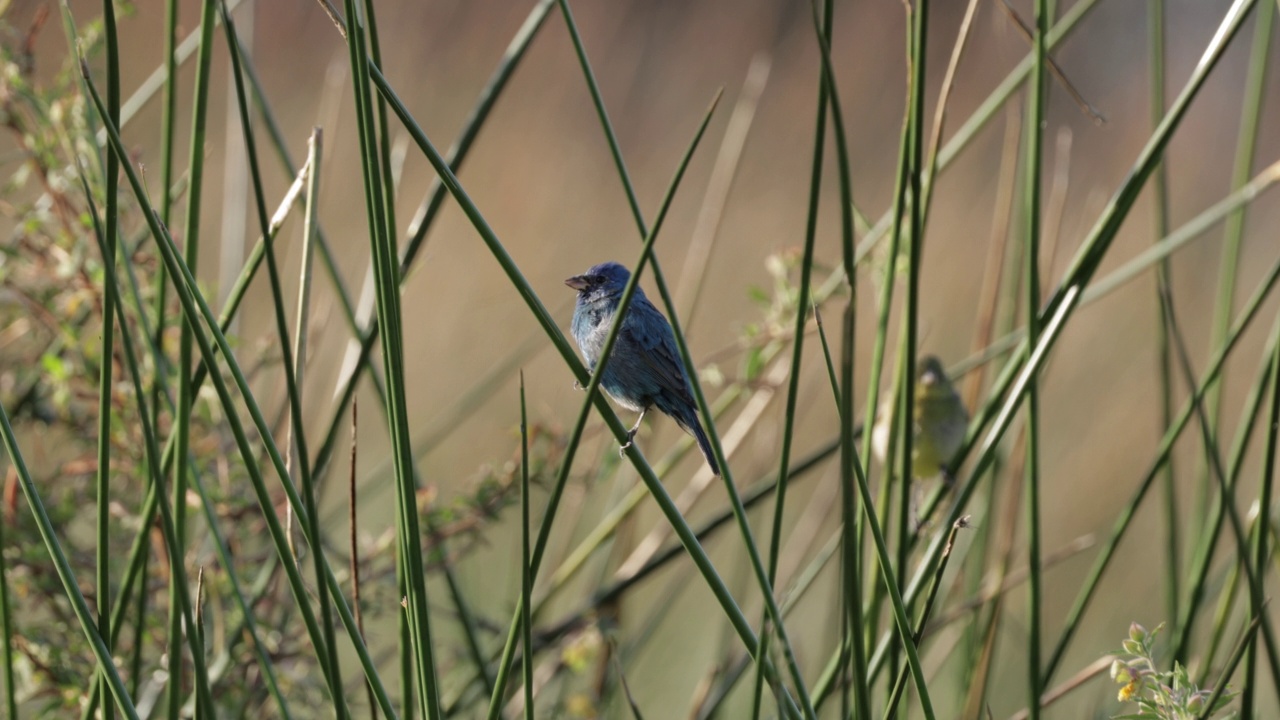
645,369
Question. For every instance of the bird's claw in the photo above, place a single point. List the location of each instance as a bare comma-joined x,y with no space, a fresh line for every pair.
577,385
918,524
631,436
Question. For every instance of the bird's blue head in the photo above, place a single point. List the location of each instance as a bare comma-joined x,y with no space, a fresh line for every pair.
602,281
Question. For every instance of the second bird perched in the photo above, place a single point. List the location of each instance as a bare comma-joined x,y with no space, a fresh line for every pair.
644,369
939,422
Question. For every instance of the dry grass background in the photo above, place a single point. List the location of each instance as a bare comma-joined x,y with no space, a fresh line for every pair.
542,174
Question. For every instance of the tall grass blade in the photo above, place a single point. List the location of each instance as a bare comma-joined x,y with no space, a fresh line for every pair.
1160,219
1214,367
526,573
1266,483
290,368
1201,560
1233,231
6,633
687,537
1031,257
386,278
1246,641
79,606
425,217
186,393
900,681
194,306
141,542
185,611
106,378
1226,498
1066,298
797,352
615,425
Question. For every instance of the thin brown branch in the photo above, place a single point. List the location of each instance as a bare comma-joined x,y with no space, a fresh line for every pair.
1087,673
990,297
332,12
355,547
1085,107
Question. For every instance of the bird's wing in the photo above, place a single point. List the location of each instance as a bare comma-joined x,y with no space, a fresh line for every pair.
650,331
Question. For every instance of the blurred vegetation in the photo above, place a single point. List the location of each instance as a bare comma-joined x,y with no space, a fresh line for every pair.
274,573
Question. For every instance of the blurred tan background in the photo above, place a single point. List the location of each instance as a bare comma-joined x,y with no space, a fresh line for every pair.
542,175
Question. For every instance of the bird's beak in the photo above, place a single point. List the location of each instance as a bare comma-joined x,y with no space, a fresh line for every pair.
577,282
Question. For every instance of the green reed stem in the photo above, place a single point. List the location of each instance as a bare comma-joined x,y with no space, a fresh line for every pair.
1067,297
1035,143
1248,313
186,393
597,374
194,306
106,377
1221,617
905,419
1164,357
1191,230
160,378
1266,483
900,681
526,572
367,335
6,634
79,606
1226,500
751,497
156,469
690,368
879,344
1233,230
333,673
729,678
135,572
851,544
978,120
905,631
386,278
797,351
430,208
140,545
1211,527
1225,496
1246,640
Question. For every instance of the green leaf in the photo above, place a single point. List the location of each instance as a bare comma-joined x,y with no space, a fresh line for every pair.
54,366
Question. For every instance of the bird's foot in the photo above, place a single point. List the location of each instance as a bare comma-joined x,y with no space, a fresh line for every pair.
631,436
918,524
577,385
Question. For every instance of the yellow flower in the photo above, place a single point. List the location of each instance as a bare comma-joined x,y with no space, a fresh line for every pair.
1129,691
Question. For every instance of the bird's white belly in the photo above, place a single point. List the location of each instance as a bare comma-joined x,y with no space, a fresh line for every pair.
625,402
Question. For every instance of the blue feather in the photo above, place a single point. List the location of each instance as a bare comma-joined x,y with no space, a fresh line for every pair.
645,369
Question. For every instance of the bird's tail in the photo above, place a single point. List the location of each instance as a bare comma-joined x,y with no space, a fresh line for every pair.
695,428
686,416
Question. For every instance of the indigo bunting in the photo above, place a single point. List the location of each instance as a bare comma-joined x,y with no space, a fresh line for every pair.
940,422
644,370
